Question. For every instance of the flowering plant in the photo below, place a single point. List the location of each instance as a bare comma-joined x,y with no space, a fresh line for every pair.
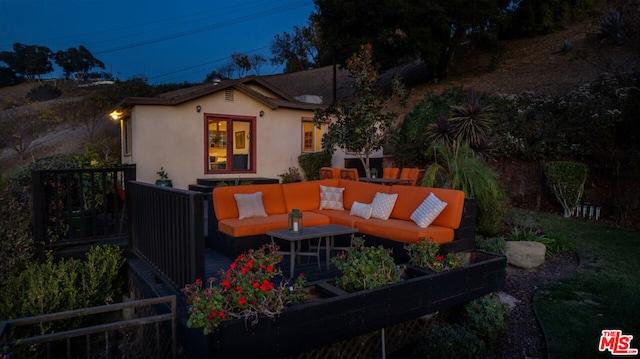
252,286
424,254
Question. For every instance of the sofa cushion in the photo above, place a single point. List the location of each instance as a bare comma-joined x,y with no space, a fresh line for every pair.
305,195
361,210
382,205
362,192
428,210
403,231
343,218
250,205
224,203
331,197
410,197
260,225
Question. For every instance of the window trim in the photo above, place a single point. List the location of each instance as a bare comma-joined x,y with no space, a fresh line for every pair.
304,121
230,140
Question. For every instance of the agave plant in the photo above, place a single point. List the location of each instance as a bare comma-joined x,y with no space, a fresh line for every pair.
440,131
470,121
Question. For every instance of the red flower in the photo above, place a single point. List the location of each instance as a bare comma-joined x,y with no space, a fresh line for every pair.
198,281
302,275
270,269
213,313
440,258
242,301
238,289
233,265
266,286
250,264
245,270
226,284
256,285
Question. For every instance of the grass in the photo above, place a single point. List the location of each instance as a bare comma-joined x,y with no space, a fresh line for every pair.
602,294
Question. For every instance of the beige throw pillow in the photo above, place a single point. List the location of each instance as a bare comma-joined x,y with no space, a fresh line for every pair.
250,205
382,205
361,210
428,210
331,197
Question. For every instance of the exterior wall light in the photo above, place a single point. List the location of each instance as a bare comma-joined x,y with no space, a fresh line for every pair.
115,115
198,108
261,113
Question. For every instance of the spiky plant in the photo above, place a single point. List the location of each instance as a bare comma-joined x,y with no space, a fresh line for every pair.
459,167
440,131
470,121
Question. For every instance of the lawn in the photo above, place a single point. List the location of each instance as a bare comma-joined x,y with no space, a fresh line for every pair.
602,294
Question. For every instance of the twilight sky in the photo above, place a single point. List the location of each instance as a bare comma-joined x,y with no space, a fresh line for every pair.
162,40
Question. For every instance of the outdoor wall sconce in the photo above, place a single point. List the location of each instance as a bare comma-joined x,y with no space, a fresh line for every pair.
115,115
198,108
261,113
295,221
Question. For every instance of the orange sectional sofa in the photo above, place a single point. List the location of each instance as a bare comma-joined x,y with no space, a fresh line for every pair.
453,228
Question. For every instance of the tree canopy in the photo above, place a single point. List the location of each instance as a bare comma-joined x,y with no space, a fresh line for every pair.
76,61
298,51
30,61
361,127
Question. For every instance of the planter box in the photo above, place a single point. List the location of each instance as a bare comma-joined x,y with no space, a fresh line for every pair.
342,315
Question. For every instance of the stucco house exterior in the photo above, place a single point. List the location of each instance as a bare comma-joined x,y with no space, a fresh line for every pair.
230,129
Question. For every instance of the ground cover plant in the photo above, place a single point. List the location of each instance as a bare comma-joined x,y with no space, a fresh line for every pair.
602,294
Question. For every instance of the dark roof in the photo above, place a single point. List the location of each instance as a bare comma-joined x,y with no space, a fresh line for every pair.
190,93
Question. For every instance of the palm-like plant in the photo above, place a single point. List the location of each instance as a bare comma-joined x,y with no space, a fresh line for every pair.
459,167
440,131
470,121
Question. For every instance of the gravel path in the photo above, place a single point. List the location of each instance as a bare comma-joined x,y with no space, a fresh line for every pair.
524,337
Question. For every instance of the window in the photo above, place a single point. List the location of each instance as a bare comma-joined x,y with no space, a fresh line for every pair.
126,136
312,135
229,146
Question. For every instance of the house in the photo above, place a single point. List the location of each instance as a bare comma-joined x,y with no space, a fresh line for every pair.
242,129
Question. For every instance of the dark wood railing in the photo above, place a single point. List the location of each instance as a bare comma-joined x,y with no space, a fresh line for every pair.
80,206
167,231
104,335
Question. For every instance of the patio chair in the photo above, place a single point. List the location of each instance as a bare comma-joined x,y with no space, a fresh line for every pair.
326,173
349,174
390,172
410,174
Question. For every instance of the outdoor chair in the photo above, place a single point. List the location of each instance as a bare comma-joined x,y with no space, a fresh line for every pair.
390,172
326,173
411,174
349,174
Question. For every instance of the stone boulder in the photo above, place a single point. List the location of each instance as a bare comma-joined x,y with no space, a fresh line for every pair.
525,254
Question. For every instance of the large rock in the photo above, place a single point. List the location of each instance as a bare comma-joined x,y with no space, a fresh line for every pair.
525,254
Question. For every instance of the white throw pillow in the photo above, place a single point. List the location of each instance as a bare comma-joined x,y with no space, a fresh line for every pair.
382,205
250,205
361,210
428,210
331,197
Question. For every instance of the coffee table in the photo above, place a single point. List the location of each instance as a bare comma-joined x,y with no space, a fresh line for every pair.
328,232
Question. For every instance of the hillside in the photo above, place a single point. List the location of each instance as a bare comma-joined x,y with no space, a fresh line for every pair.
533,65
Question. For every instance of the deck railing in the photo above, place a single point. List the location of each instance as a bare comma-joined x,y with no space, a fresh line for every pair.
80,206
106,337
167,230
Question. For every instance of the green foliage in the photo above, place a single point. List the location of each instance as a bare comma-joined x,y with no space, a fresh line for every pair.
44,92
55,286
425,254
76,61
312,162
101,277
566,180
29,61
362,127
292,175
460,168
16,241
365,267
487,316
555,243
491,244
443,340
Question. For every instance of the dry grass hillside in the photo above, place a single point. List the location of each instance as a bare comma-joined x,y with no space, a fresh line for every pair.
533,65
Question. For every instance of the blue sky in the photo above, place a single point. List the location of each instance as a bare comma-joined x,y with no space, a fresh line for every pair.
165,41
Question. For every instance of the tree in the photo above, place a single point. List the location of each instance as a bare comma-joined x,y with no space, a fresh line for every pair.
227,70
361,127
19,127
78,61
28,60
298,51
427,29
242,63
256,61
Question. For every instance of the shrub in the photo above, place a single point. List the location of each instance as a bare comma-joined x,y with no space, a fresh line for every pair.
566,180
443,340
470,121
491,244
54,286
365,267
292,175
425,254
312,162
487,317
44,92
